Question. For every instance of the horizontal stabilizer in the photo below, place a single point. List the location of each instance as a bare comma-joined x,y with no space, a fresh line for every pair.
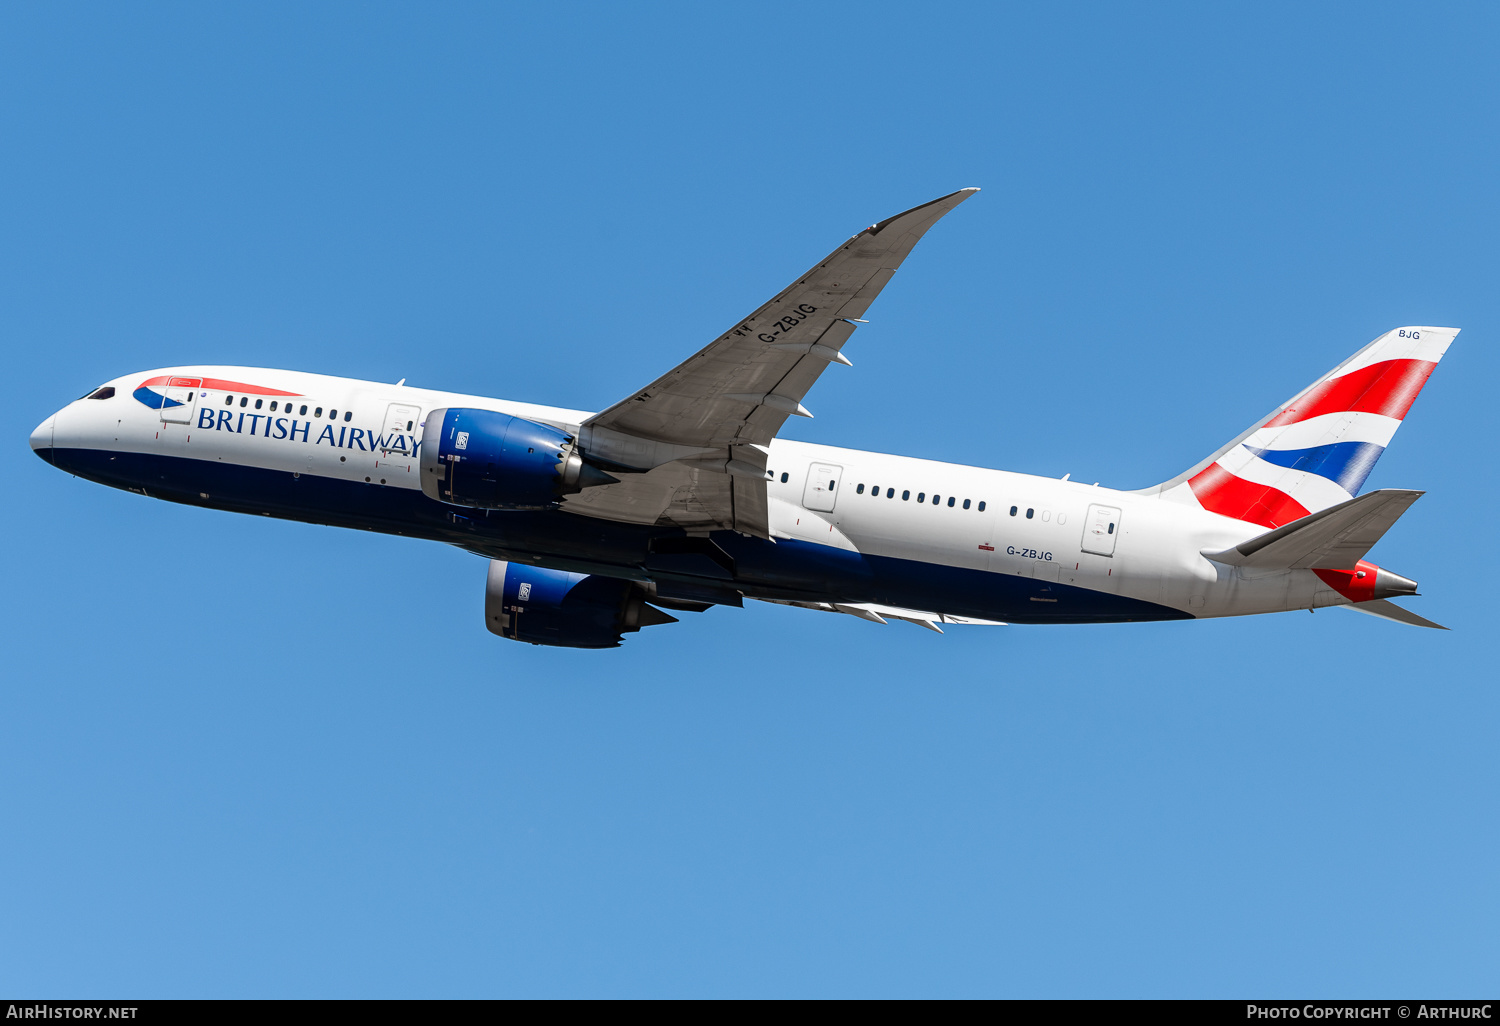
1390,611
1336,538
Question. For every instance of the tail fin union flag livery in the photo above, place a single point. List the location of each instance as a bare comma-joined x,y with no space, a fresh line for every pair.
681,497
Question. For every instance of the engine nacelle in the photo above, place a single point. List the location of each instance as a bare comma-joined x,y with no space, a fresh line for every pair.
553,607
489,460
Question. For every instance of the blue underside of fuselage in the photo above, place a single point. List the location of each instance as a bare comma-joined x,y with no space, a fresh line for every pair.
791,570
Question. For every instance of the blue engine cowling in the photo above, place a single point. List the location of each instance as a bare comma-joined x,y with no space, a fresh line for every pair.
489,460
553,607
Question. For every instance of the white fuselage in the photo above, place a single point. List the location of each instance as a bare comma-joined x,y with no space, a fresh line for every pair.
880,505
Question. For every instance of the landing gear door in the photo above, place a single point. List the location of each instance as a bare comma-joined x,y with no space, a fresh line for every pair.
179,398
1100,529
822,487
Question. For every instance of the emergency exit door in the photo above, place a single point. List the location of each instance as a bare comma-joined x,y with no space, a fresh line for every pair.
1100,529
821,491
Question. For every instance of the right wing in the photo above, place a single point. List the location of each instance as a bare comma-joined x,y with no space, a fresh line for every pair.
877,613
692,443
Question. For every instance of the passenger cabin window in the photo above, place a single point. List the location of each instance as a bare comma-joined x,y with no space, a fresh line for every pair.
107,392
859,490
259,403
905,495
981,507
921,496
1030,513
950,503
890,493
783,477
273,405
333,414
303,413
349,414
229,400
244,400
318,412
1013,511
966,504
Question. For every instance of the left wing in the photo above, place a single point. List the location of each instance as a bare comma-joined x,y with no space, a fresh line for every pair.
692,444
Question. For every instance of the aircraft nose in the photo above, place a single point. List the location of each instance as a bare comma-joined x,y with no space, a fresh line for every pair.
41,438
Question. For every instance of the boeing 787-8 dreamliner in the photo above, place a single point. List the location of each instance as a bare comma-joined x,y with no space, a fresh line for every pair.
681,497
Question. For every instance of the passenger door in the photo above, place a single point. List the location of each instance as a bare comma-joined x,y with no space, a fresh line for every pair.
396,453
821,491
181,394
1100,529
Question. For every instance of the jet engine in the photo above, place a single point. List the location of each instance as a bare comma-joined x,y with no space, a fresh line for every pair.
553,607
489,460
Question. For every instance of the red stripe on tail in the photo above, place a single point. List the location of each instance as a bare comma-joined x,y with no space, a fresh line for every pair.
1388,388
1221,492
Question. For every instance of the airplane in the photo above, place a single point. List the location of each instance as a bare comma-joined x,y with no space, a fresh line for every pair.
681,496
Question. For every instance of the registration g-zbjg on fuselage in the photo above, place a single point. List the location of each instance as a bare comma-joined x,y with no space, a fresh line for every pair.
681,496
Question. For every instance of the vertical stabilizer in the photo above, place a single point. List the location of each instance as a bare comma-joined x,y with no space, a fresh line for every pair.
1316,449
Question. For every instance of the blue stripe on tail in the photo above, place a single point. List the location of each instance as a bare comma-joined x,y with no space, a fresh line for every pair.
1347,464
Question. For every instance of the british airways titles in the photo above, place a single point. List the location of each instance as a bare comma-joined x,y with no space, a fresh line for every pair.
347,437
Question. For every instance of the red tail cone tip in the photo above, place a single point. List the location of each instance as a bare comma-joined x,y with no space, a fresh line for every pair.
1366,582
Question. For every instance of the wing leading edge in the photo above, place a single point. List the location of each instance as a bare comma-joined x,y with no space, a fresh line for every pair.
693,442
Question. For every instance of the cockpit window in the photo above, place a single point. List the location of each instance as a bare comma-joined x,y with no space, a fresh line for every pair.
107,392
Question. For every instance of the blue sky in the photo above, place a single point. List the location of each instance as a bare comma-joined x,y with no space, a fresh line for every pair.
241,757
